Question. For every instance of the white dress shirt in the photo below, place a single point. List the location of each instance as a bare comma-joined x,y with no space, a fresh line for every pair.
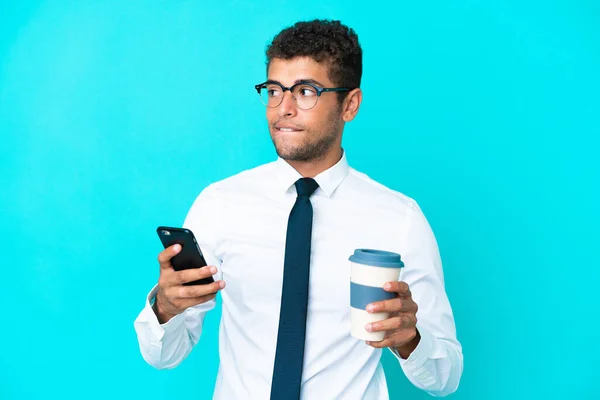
240,224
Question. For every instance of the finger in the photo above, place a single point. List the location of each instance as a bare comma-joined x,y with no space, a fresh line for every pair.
164,257
194,301
186,292
401,288
401,322
395,340
397,304
190,275
387,342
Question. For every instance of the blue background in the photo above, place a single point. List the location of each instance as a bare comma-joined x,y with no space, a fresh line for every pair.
115,114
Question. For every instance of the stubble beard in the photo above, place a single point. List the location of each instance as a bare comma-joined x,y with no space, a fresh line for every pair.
314,147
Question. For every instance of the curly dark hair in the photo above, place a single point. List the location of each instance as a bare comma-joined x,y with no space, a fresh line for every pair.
327,41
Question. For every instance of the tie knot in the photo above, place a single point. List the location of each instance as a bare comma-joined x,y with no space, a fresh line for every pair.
306,186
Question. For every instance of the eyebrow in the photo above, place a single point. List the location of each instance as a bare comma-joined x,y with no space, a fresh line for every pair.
297,81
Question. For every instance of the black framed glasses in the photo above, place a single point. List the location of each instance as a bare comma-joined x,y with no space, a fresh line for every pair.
304,93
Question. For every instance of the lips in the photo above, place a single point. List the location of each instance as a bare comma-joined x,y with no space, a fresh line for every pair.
286,128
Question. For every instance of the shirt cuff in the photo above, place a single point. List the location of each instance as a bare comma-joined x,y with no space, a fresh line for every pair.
416,364
155,330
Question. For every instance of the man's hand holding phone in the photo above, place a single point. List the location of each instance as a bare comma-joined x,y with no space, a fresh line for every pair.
173,296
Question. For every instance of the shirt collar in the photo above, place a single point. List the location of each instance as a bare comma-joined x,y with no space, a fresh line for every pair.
328,180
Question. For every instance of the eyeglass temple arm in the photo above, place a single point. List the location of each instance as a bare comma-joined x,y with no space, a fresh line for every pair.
335,89
260,85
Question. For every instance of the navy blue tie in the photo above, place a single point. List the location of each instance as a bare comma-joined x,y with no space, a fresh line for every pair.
289,356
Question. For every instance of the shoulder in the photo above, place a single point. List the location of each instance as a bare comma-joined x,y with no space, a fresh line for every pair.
240,182
209,203
374,191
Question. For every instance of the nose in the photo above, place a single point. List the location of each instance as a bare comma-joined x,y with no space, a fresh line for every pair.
287,108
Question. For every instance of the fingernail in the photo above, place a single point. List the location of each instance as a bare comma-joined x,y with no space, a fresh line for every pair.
368,327
387,286
370,308
176,247
213,270
222,284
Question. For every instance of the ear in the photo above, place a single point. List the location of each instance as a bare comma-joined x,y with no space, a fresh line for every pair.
351,105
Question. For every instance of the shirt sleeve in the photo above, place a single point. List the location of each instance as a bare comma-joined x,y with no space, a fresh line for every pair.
166,345
436,364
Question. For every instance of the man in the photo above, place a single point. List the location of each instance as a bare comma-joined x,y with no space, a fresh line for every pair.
278,237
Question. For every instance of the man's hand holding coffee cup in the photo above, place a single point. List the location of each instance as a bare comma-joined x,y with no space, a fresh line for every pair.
400,328
173,297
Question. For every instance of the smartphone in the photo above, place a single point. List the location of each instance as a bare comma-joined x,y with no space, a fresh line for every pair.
190,255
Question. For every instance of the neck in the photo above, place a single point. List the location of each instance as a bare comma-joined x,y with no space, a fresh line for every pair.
310,169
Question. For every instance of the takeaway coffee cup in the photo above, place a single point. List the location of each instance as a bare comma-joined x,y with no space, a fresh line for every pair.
370,270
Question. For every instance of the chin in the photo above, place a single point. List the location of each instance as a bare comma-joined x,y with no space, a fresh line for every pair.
297,153
287,152
286,148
